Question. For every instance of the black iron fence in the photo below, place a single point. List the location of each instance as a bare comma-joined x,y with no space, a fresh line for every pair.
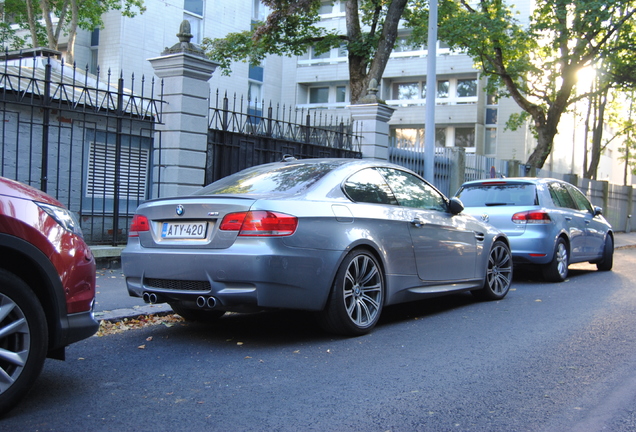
88,143
245,133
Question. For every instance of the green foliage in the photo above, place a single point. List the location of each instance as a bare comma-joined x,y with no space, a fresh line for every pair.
89,17
292,28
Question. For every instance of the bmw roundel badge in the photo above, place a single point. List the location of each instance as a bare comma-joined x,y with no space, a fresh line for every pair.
180,210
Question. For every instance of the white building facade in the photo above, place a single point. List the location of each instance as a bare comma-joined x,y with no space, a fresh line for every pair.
465,115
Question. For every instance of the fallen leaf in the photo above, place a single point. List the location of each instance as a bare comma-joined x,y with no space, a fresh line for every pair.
142,347
149,338
248,357
239,343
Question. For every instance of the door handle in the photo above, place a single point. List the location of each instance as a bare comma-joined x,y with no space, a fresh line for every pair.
417,222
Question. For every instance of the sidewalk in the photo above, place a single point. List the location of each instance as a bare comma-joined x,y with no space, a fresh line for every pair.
625,240
113,302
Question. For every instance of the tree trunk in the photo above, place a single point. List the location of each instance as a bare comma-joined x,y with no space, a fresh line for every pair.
72,33
46,14
31,19
597,136
360,70
357,63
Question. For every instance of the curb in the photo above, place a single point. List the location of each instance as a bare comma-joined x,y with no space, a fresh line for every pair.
120,314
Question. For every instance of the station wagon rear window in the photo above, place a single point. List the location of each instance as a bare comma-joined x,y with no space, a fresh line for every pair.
503,194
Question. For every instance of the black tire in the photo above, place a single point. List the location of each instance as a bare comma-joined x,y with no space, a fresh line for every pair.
557,270
357,296
498,273
200,315
23,339
607,262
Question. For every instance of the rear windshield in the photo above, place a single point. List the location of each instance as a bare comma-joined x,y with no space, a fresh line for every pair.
284,180
481,195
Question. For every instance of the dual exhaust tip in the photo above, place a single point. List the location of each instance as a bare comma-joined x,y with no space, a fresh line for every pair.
202,301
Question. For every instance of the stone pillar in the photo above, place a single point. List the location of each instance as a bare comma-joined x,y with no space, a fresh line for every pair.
373,118
179,169
458,171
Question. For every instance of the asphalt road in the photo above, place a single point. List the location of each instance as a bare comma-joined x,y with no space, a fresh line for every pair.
549,357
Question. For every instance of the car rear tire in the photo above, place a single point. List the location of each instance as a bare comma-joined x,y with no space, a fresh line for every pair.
557,270
200,315
498,273
607,262
23,339
357,296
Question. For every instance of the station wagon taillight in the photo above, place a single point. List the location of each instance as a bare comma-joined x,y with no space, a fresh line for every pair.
260,223
139,223
531,217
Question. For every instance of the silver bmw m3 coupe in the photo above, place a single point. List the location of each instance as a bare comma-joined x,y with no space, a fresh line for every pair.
340,237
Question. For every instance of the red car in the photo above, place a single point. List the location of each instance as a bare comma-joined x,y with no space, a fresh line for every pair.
47,286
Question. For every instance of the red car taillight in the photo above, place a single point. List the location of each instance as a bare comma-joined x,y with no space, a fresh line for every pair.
260,223
531,217
139,223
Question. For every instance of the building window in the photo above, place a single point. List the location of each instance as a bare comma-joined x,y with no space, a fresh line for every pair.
443,88
319,95
316,56
341,94
326,8
413,138
259,11
342,51
254,92
406,91
466,87
490,144
403,44
465,137
193,13
491,116
94,51
193,6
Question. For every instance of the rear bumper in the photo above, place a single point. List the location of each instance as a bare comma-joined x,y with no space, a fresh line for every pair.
528,249
260,275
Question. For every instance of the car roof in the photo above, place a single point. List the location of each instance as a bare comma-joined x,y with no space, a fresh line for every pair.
511,180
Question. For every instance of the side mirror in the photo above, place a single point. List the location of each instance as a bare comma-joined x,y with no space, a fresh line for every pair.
455,206
598,211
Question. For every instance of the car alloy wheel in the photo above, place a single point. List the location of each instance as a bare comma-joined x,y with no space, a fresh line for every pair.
557,270
23,339
357,296
498,273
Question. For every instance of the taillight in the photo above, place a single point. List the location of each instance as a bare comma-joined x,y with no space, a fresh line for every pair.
531,217
139,223
260,223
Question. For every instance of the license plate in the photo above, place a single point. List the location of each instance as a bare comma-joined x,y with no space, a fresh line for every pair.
184,230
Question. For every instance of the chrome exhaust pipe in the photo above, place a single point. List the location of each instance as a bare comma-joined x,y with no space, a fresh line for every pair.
207,303
149,297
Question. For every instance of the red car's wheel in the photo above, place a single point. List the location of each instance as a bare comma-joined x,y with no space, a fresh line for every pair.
23,339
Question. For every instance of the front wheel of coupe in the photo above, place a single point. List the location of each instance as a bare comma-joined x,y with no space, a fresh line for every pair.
357,296
498,273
